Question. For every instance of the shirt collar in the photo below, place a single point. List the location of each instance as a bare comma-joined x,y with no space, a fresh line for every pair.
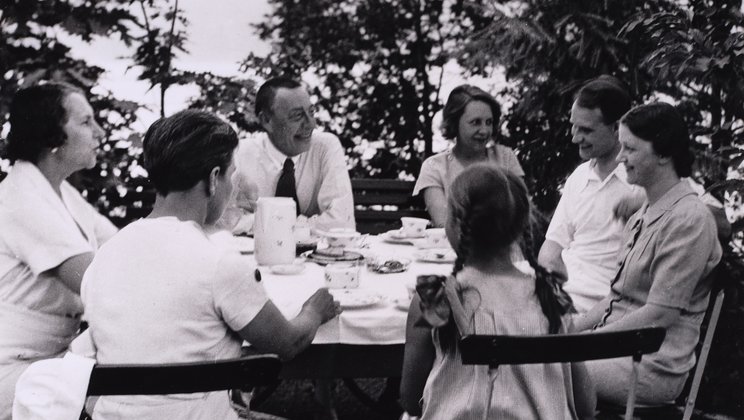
275,155
666,202
30,176
618,173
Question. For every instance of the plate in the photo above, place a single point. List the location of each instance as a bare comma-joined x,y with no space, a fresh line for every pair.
388,265
441,255
355,298
347,256
288,269
395,237
402,303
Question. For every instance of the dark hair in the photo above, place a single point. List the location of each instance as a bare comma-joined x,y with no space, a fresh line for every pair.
608,94
37,118
491,206
181,150
662,125
267,92
458,99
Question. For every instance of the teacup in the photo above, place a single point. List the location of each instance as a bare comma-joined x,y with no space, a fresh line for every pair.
342,276
435,238
413,227
340,237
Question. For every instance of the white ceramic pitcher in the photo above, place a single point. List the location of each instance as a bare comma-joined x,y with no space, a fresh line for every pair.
272,230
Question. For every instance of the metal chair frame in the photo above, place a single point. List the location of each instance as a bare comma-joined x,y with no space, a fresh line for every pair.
495,350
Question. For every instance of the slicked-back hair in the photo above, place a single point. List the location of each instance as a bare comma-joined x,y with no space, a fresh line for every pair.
661,124
37,119
181,150
458,99
267,92
607,93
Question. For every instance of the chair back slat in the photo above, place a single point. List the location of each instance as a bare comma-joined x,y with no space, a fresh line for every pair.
184,378
370,193
496,350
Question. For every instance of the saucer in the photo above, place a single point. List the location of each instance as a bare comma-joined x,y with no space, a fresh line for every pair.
288,269
396,237
355,298
347,256
438,255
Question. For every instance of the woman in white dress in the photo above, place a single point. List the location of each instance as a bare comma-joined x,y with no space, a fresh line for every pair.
48,232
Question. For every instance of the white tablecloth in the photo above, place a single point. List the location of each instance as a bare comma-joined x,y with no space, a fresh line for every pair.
382,323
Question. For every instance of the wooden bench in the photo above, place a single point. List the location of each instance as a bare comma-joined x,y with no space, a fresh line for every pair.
380,203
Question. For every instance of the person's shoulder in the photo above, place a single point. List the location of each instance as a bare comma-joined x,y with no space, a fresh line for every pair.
500,148
438,159
324,139
251,144
580,174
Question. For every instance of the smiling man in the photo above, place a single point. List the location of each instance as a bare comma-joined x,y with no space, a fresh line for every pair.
291,159
583,239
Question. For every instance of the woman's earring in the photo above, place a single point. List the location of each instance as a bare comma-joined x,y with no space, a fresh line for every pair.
54,150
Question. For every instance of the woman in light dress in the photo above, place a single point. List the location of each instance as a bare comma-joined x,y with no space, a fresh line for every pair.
487,294
48,232
470,118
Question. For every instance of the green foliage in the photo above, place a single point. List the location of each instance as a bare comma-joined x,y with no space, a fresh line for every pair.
693,54
31,50
549,48
377,65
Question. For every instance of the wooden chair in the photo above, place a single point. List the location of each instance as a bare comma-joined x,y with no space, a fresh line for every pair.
689,397
184,378
495,350
714,312
380,203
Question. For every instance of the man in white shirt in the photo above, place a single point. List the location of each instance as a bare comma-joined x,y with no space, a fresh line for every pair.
320,183
583,238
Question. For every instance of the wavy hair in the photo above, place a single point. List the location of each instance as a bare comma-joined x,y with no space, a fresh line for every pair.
458,99
37,119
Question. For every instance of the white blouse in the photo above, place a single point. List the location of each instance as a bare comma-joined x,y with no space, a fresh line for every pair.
38,232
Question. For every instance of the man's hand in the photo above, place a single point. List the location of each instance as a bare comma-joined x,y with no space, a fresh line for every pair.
627,205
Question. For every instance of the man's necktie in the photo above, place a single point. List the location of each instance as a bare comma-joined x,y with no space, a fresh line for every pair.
286,185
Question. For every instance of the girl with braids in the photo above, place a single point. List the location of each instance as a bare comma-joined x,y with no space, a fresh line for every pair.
488,211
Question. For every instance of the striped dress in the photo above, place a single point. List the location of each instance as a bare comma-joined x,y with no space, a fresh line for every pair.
500,305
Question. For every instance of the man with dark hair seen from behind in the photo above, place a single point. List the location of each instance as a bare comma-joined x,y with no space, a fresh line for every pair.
291,159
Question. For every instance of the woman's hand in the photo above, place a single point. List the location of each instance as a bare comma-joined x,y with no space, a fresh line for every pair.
322,303
627,205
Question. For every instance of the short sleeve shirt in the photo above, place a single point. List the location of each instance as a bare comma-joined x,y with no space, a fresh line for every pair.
39,230
441,169
163,281
583,225
669,250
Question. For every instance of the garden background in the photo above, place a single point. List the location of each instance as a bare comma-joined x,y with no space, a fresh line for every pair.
376,71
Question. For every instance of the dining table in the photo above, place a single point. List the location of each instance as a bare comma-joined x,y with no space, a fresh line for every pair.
367,338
